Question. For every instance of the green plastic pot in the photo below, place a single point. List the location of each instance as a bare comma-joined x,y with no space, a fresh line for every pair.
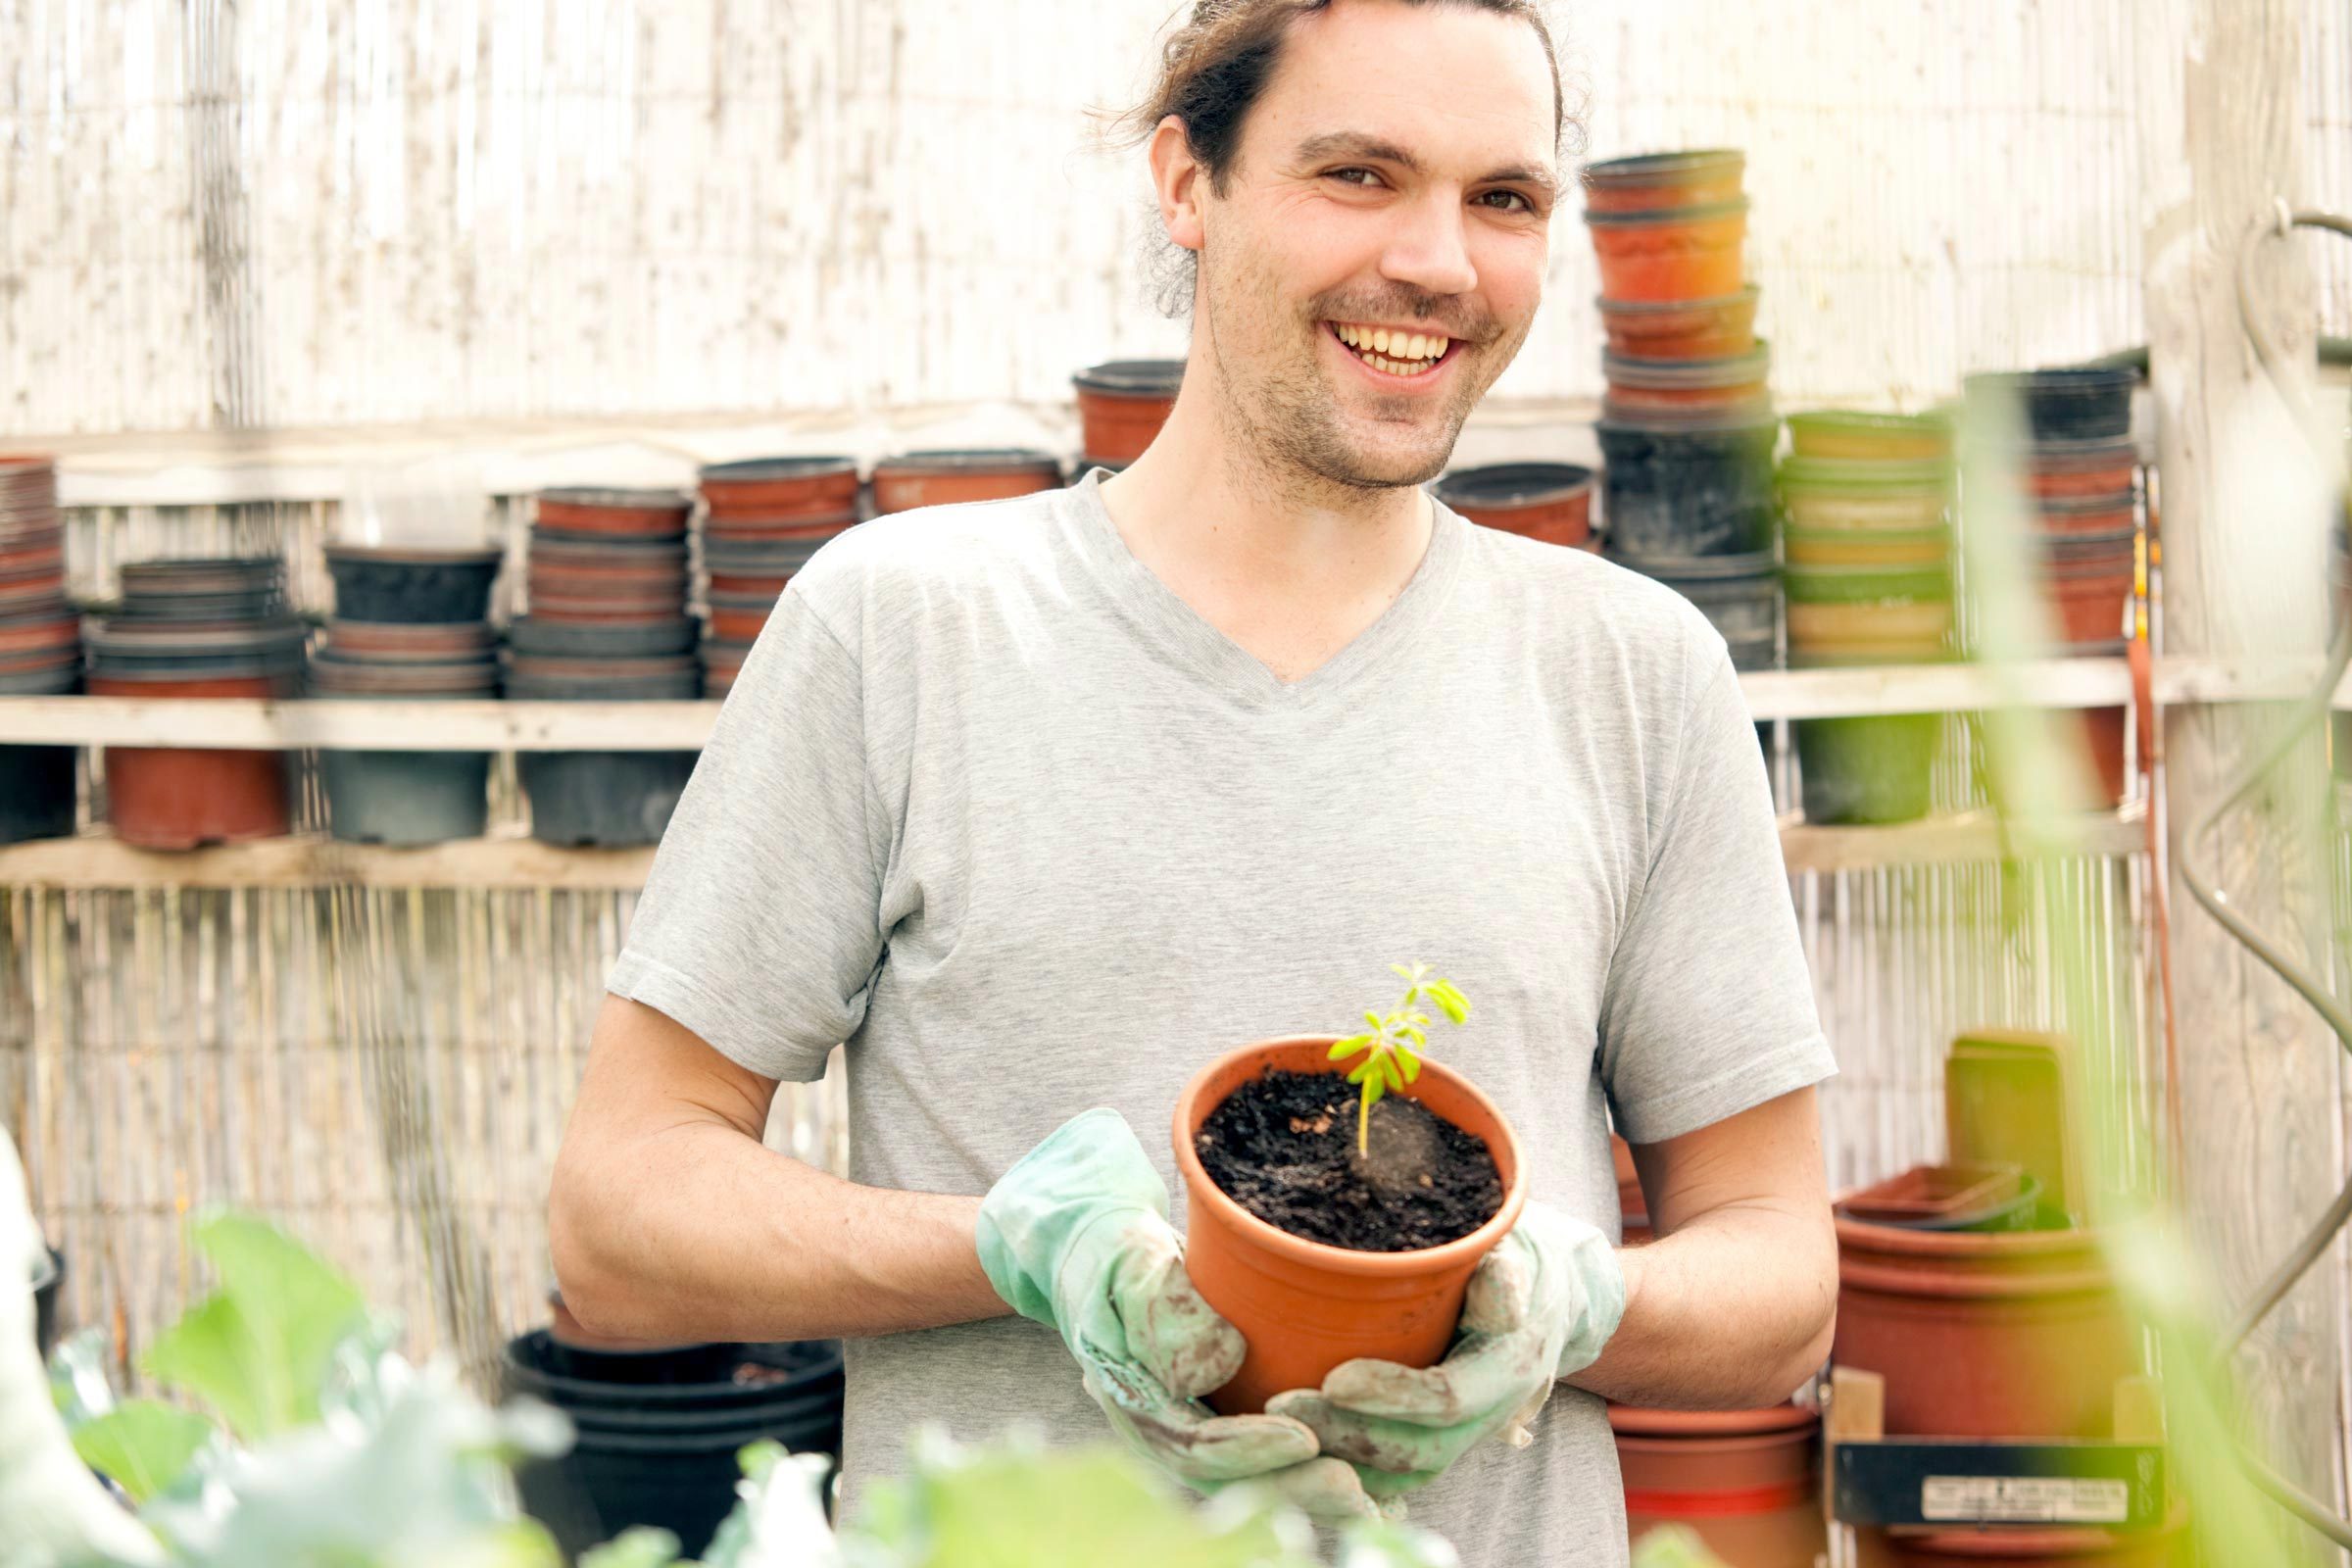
1851,434
1868,770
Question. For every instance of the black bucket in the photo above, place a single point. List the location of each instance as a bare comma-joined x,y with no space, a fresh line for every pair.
36,782
1676,493
2065,405
431,587
663,1453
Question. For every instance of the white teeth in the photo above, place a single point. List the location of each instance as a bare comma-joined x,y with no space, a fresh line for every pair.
1380,340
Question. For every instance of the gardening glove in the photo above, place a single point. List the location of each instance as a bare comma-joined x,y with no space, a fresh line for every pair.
1076,1237
1539,1307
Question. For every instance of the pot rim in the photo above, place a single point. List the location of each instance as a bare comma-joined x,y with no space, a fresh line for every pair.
1131,378
415,555
1903,476
1517,484
1745,297
1738,421
1639,1421
1645,372
1317,1255
611,500
1638,169
828,466
1669,216
967,459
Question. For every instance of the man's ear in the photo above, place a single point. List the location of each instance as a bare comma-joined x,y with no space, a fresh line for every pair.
1179,182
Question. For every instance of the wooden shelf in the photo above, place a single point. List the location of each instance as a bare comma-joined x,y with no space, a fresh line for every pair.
98,860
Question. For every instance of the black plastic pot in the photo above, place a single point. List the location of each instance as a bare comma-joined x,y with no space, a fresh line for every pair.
758,558
47,1279
1740,595
662,1453
36,782
602,799
561,640
383,582
2066,405
1673,494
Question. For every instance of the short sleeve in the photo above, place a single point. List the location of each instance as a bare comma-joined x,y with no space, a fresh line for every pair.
760,925
1709,1008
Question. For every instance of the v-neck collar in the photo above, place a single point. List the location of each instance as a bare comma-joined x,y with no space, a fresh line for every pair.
1174,628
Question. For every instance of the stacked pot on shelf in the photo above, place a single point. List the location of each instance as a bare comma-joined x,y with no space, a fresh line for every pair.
607,623
1121,406
1547,500
40,647
1687,429
1867,538
200,628
952,478
409,624
2079,470
762,520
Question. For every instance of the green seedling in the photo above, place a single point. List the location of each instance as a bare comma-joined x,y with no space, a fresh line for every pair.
1396,1043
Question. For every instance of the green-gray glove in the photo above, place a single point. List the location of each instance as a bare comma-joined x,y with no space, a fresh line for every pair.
1539,1307
1076,1236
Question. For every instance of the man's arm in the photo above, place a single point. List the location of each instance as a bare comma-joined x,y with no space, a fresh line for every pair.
669,1219
1732,1306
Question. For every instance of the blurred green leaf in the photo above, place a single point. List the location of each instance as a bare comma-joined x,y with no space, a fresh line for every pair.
142,1446
258,1350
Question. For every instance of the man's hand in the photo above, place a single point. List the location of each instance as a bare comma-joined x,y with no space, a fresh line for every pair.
1539,1307
1076,1237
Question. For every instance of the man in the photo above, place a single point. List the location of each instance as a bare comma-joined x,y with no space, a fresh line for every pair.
1039,804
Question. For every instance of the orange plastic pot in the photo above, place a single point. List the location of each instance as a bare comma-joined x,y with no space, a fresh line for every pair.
2089,605
2064,517
726,582
180,797
1682,329
737,626
2023,1546
2094,468
1745,1481
1305,1308
2102,732
1650,182
1547,500
1122,405
950,479
750,527
1989,1334
621,514
1680,253
782,488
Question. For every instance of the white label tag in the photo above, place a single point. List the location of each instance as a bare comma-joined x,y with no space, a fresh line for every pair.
2024,1499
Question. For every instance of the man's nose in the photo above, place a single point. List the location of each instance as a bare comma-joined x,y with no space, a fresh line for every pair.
1430,250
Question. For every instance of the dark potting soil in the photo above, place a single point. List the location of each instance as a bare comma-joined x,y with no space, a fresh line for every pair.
1283,1147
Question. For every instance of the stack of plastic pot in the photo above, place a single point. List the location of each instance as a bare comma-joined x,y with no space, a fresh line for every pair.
1121,406
657,1429
1747,1482
608,624
761,522
40,647
1547,500
2081,473
204,629
1686,429
946,478
1867,536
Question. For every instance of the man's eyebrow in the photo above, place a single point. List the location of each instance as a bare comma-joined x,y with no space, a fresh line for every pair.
1372,149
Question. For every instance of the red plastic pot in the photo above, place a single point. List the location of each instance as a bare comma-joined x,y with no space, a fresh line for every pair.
727,582
178,799
2014,1334
1121,404
764,529
1547,500
1745,1481
1682,253
623,513
2094,468
782,488
1651,181
1305,1308
950,478
1682,329
2067,516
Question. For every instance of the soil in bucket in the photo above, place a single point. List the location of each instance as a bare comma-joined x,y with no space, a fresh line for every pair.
1284,1148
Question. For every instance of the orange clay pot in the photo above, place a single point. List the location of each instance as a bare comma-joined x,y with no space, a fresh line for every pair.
1121,406
172,798
1681,253
1745,1481
949,478
781,487
1305,1308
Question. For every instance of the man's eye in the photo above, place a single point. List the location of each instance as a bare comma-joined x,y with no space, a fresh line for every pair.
1507,197
1355,176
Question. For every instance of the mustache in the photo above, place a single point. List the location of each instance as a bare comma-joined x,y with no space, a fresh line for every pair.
1412,304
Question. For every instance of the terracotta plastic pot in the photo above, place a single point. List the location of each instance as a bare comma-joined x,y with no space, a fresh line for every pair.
621,514
579,611
2089,605
1639,387
1305,1308
40,631
2068,516
1122,403
1682,329
176,799
394,643
1853,435
1982,1335
1672,494
949,478
753,529
738,624
574,551
1678,253
1547,500
2023,1546
1745,1481
2074,470
747,583
34,560
1648,181
782,488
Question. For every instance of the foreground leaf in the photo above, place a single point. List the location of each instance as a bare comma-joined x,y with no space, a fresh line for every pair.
142,1446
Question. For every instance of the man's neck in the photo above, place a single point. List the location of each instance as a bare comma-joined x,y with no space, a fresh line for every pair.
1289,566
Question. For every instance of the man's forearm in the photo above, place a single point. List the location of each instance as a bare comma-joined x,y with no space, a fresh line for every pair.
1732,1311
698,1232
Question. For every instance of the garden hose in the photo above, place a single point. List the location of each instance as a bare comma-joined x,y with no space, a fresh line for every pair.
2305,714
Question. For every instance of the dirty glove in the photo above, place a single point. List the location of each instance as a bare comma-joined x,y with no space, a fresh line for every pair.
1539,1307
1076,1237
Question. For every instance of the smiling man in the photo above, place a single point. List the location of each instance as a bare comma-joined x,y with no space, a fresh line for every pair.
1039,804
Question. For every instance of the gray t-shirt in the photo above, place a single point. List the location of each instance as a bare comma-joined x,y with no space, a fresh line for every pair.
993,807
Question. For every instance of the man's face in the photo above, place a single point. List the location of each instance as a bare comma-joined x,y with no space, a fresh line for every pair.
1394,184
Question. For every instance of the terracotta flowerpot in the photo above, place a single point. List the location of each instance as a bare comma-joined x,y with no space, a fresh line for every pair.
1305,1308
596,611
2089,604
742,582
1547,500
2076,470
619,513
1745,1481
41,559
647,583
1122,403
1679,253
739,626
392,642
1639,387
2104,516
2023,1546
1853,435
949,478
40,632
176,799
1682,329
1982,1335
782,488
1650,182
749,528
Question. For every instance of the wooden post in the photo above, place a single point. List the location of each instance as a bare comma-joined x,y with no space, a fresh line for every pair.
2245,573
